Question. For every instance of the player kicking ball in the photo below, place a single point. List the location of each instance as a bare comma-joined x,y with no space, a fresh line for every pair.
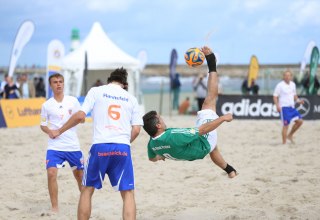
191,143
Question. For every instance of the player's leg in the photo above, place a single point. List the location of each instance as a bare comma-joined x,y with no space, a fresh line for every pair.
93,176
284,133
53,187
129,205
217,158
78,176
121,177
54,160
84,206
212,85
295,127
75,160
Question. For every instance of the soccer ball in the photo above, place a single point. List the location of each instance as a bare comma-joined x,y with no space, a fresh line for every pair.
194,57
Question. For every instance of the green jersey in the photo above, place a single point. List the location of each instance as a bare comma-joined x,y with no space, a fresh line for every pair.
179,144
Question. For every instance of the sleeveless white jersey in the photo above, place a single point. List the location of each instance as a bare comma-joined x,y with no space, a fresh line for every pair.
286,93
54,115
114,111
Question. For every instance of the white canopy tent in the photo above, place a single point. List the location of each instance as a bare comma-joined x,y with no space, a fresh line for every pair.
103,56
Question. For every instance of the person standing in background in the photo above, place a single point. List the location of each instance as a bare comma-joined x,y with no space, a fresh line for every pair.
200,87
10,89
3,84
26,87
40,88
284,97
176,91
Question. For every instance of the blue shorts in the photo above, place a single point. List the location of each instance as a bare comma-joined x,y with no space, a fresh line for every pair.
56,159
112,159
289,114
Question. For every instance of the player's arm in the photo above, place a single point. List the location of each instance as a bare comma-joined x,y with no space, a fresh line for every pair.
46,130
212,125
297,100
135,132
152,155
73,121
276,102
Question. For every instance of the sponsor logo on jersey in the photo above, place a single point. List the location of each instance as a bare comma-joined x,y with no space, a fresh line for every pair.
161,147
112,153
125,99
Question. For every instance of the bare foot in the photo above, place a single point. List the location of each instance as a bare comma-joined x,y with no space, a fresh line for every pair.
232,174
54,210
290,138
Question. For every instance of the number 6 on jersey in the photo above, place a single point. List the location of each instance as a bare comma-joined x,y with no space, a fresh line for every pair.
113,112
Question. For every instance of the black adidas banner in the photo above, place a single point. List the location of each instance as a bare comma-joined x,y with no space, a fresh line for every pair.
262,107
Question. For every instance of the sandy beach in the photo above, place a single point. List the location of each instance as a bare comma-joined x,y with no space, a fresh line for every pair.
275,181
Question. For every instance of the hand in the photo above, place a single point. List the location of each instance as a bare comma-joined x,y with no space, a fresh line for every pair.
300,101
160,157
228,117
278,108
206,50
53,133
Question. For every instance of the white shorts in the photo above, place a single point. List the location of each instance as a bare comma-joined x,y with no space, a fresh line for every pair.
203,117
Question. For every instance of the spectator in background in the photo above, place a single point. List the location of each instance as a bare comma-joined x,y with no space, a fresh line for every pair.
97,83
254,88
26,87
10,89
176,91
200,87
183,108
246,90
3,84
285,97
40,88
244,87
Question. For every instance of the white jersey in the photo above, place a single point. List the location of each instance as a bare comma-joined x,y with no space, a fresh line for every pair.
54,115
286,93
114,111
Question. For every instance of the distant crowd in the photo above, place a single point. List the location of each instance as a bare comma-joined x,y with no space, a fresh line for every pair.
22,87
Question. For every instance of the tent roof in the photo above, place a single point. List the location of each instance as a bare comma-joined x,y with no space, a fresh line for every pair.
102,53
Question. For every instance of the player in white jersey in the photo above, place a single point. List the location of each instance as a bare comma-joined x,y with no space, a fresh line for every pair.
54,113
284,98
117,122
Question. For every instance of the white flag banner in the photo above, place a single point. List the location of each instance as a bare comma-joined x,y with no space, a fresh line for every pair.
24,34
55,55
306,58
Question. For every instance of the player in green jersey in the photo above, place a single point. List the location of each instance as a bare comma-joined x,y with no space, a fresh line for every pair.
191,143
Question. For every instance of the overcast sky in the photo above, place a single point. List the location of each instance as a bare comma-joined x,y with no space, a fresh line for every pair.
275,31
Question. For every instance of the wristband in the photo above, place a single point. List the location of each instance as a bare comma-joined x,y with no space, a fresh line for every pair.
211,61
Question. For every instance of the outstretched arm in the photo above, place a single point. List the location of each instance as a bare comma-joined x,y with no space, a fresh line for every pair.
212,125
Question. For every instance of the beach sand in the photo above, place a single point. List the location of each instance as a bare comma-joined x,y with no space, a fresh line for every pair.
275,181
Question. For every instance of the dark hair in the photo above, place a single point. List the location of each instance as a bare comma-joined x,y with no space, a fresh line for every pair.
119,75
150,121
55,75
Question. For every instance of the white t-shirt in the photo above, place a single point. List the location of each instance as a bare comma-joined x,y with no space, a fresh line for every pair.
286,93
54,115
114,111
